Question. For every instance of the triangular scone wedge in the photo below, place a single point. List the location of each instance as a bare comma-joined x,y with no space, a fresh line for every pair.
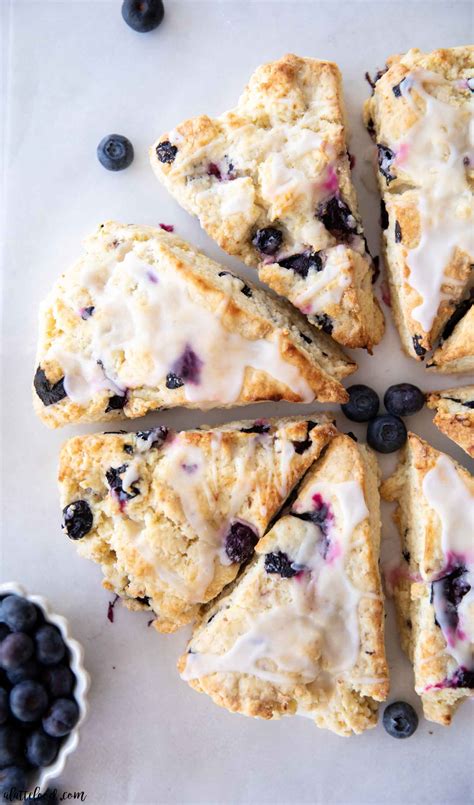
419,114
455,355
143,321
302,629
434,584
455,415
171,516
270,181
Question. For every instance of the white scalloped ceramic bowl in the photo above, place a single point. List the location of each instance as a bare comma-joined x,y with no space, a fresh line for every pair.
70,743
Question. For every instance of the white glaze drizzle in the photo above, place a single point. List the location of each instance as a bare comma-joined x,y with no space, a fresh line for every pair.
144,319
432,154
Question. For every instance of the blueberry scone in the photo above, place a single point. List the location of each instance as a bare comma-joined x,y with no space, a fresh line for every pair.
455,415
170,517
434,584
419,115
301,630
455,354
144,321
270,181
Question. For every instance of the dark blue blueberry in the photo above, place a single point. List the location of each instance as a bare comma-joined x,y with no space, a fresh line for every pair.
41,749
77,519
463,678
61,718
257,427
28,700
383,215
267,240
187,367
13,779
304,444
11,741
240,542
49,393
4,631
461,310
59,681
385,157
115,152
18,613
363,403
280,563
29,670
15,650
419,349
398,232
378,74
246,290
450,590
403,399
159,435
143,15
337,217
173,381
397,89
324,322
400,720
302,263
114,480
166,152
386,433
128,449
117,402
50,647
4,707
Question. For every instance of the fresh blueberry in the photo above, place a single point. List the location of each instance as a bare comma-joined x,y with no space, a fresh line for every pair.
337,217
166,152
50,648
13,778
18,613
28,700
403,399
114,480
187,367
280,563
77,519
4,631
173,381
15,650
41,749
29,670
385,157
49,393
10,745
240,542
116,402
363,403
61,718
419,349
386,433
400,720
4,708
324,322
115,152
302,263
143,15
267,240
59,681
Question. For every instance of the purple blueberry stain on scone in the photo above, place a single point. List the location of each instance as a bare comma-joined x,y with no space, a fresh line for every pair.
321,516
240,542
186,369
49,393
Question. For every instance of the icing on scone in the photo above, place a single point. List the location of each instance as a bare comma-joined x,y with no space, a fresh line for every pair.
435,154
314,636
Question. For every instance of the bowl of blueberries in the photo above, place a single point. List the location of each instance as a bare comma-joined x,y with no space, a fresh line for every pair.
43,687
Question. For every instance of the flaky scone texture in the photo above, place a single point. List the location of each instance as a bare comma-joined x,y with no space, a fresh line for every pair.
268,646
455,354
171,516
455,415
427,570
270,181
419,116
143,321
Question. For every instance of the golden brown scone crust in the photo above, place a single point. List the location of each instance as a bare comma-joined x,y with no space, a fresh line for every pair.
455,415
246,311
455,355
388,115
351,705
423,561
271,162
152,543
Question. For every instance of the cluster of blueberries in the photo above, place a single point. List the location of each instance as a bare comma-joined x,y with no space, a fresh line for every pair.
385,432
37,706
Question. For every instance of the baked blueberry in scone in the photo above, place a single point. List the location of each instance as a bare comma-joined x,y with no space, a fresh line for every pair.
420,113
170,517
455,415
144,321
455,353
301,631
270,181
434,584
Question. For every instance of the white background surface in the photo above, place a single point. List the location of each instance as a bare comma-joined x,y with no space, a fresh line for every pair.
73,73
